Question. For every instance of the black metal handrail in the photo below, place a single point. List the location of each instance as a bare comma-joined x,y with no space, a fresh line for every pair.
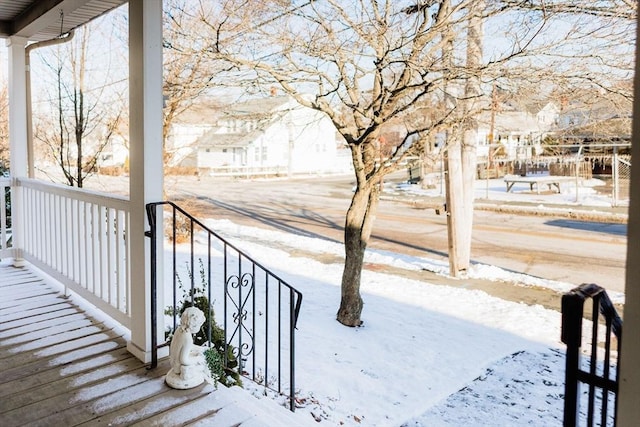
259,309
598,375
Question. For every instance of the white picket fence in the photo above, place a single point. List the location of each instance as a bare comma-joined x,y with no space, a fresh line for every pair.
79,237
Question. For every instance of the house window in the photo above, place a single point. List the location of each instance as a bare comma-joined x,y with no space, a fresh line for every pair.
239,156
260,154
224,150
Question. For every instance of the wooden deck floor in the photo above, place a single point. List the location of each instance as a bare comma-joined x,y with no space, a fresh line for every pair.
60,367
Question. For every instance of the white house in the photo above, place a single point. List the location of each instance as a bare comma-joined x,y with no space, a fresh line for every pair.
518,130
274,134
186,129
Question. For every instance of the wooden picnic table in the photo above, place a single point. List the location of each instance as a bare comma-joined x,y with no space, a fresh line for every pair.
550,180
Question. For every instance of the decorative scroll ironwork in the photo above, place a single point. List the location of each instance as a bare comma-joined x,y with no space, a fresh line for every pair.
240,313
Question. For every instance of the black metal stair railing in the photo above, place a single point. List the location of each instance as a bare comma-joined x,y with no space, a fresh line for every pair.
598,367
257,310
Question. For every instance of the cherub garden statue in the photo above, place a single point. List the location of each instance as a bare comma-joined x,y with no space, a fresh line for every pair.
188,366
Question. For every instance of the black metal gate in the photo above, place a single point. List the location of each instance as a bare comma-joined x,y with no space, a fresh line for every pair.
597,368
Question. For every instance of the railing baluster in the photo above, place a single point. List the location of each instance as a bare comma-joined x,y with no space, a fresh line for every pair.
175,270
266,329
240,316
225,284
73,237
119,243
279,336
292,354
593,362
605,372
253,321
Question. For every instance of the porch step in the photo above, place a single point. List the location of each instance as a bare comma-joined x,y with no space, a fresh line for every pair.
223,407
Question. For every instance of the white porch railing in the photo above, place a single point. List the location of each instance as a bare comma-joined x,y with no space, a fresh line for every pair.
80,238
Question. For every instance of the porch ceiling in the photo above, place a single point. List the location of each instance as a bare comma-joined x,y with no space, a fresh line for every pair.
39,20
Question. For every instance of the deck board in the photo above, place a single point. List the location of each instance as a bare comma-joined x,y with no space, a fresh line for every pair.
162,404
44,325
49,382
60,366
192,411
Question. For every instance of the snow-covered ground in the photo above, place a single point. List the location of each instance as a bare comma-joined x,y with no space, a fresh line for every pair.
426,355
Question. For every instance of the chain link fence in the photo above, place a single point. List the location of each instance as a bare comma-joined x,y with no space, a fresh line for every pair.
621,175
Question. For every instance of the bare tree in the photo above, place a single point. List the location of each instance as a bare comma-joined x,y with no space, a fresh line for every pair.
366,65
85,112
369,65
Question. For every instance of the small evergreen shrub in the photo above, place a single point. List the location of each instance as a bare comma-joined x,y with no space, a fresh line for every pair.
215,364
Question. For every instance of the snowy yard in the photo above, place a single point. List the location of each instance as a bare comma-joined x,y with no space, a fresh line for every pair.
426,355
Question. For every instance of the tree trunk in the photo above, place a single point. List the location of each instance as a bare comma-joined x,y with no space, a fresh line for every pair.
357,230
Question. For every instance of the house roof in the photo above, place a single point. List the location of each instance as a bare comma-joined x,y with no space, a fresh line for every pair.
255,107
512,121
227,140
615,127
261,110
210,111
200,114
39,20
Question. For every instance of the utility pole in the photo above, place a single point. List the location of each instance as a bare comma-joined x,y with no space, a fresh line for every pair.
473,93
453,156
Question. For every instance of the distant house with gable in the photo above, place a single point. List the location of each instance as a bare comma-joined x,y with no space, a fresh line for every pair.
267,135
516,130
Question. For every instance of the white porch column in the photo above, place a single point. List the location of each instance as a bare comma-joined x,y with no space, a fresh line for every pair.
17,136
145,156
629,394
